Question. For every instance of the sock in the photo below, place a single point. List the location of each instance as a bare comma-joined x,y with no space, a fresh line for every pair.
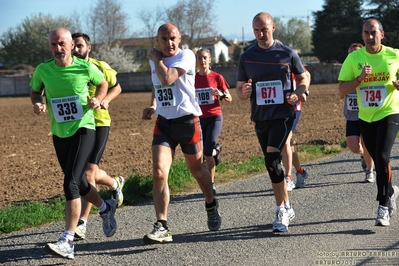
83,220
300,170
210,205
287,205
289,176
278,208
69,235
164,223
115,185
103,207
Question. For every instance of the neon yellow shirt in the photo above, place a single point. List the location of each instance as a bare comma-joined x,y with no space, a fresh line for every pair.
377,97
102,117
66,90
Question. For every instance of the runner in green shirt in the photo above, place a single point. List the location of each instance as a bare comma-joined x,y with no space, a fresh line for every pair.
64,81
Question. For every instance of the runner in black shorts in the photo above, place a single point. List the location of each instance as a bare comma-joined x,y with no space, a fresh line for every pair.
264,77
185,130
173,99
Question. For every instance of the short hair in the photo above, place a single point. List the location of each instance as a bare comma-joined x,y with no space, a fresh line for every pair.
356,44
83,35
376,20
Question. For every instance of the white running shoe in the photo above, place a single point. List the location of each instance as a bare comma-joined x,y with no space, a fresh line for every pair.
290,212
117,194
290,183
382,216
158,235
281,221
80,231
369,177
61,248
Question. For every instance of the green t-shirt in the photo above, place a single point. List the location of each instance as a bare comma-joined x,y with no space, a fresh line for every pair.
102,116
376,96
66,91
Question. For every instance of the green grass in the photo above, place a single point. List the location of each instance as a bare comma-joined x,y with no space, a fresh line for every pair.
139,188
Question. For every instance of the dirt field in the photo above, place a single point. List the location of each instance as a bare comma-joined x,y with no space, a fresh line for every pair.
30,171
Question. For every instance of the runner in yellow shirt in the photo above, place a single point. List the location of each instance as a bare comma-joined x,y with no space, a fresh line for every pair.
372,71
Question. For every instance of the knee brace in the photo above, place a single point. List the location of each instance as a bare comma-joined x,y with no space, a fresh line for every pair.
273,166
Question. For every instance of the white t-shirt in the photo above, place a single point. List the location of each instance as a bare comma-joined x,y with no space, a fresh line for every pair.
177,99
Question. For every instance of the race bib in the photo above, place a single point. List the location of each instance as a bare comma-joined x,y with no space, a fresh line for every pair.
67,109
205,96
373,95
269,92
351,102
164,95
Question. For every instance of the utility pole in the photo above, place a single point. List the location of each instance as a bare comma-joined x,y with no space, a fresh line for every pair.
243,40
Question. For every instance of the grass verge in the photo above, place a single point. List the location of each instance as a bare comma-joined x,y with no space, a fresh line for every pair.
139,188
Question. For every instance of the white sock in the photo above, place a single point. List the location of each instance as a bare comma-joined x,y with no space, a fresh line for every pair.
83,220
69,235
115,185
287,205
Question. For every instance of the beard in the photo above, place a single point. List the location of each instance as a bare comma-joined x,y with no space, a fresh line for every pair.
81,56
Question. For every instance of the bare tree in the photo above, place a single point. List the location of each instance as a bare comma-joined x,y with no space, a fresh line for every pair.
194,18
151,20
107,22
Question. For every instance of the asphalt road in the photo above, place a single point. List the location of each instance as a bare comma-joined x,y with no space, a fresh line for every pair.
334,225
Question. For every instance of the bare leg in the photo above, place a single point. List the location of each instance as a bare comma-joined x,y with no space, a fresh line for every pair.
162,157
280,193
72,212
354,144
102,178
86,205
367,157
93,197
295,157
201,174
210,165
286,156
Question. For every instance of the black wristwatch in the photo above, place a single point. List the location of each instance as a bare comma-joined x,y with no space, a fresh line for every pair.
223,96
